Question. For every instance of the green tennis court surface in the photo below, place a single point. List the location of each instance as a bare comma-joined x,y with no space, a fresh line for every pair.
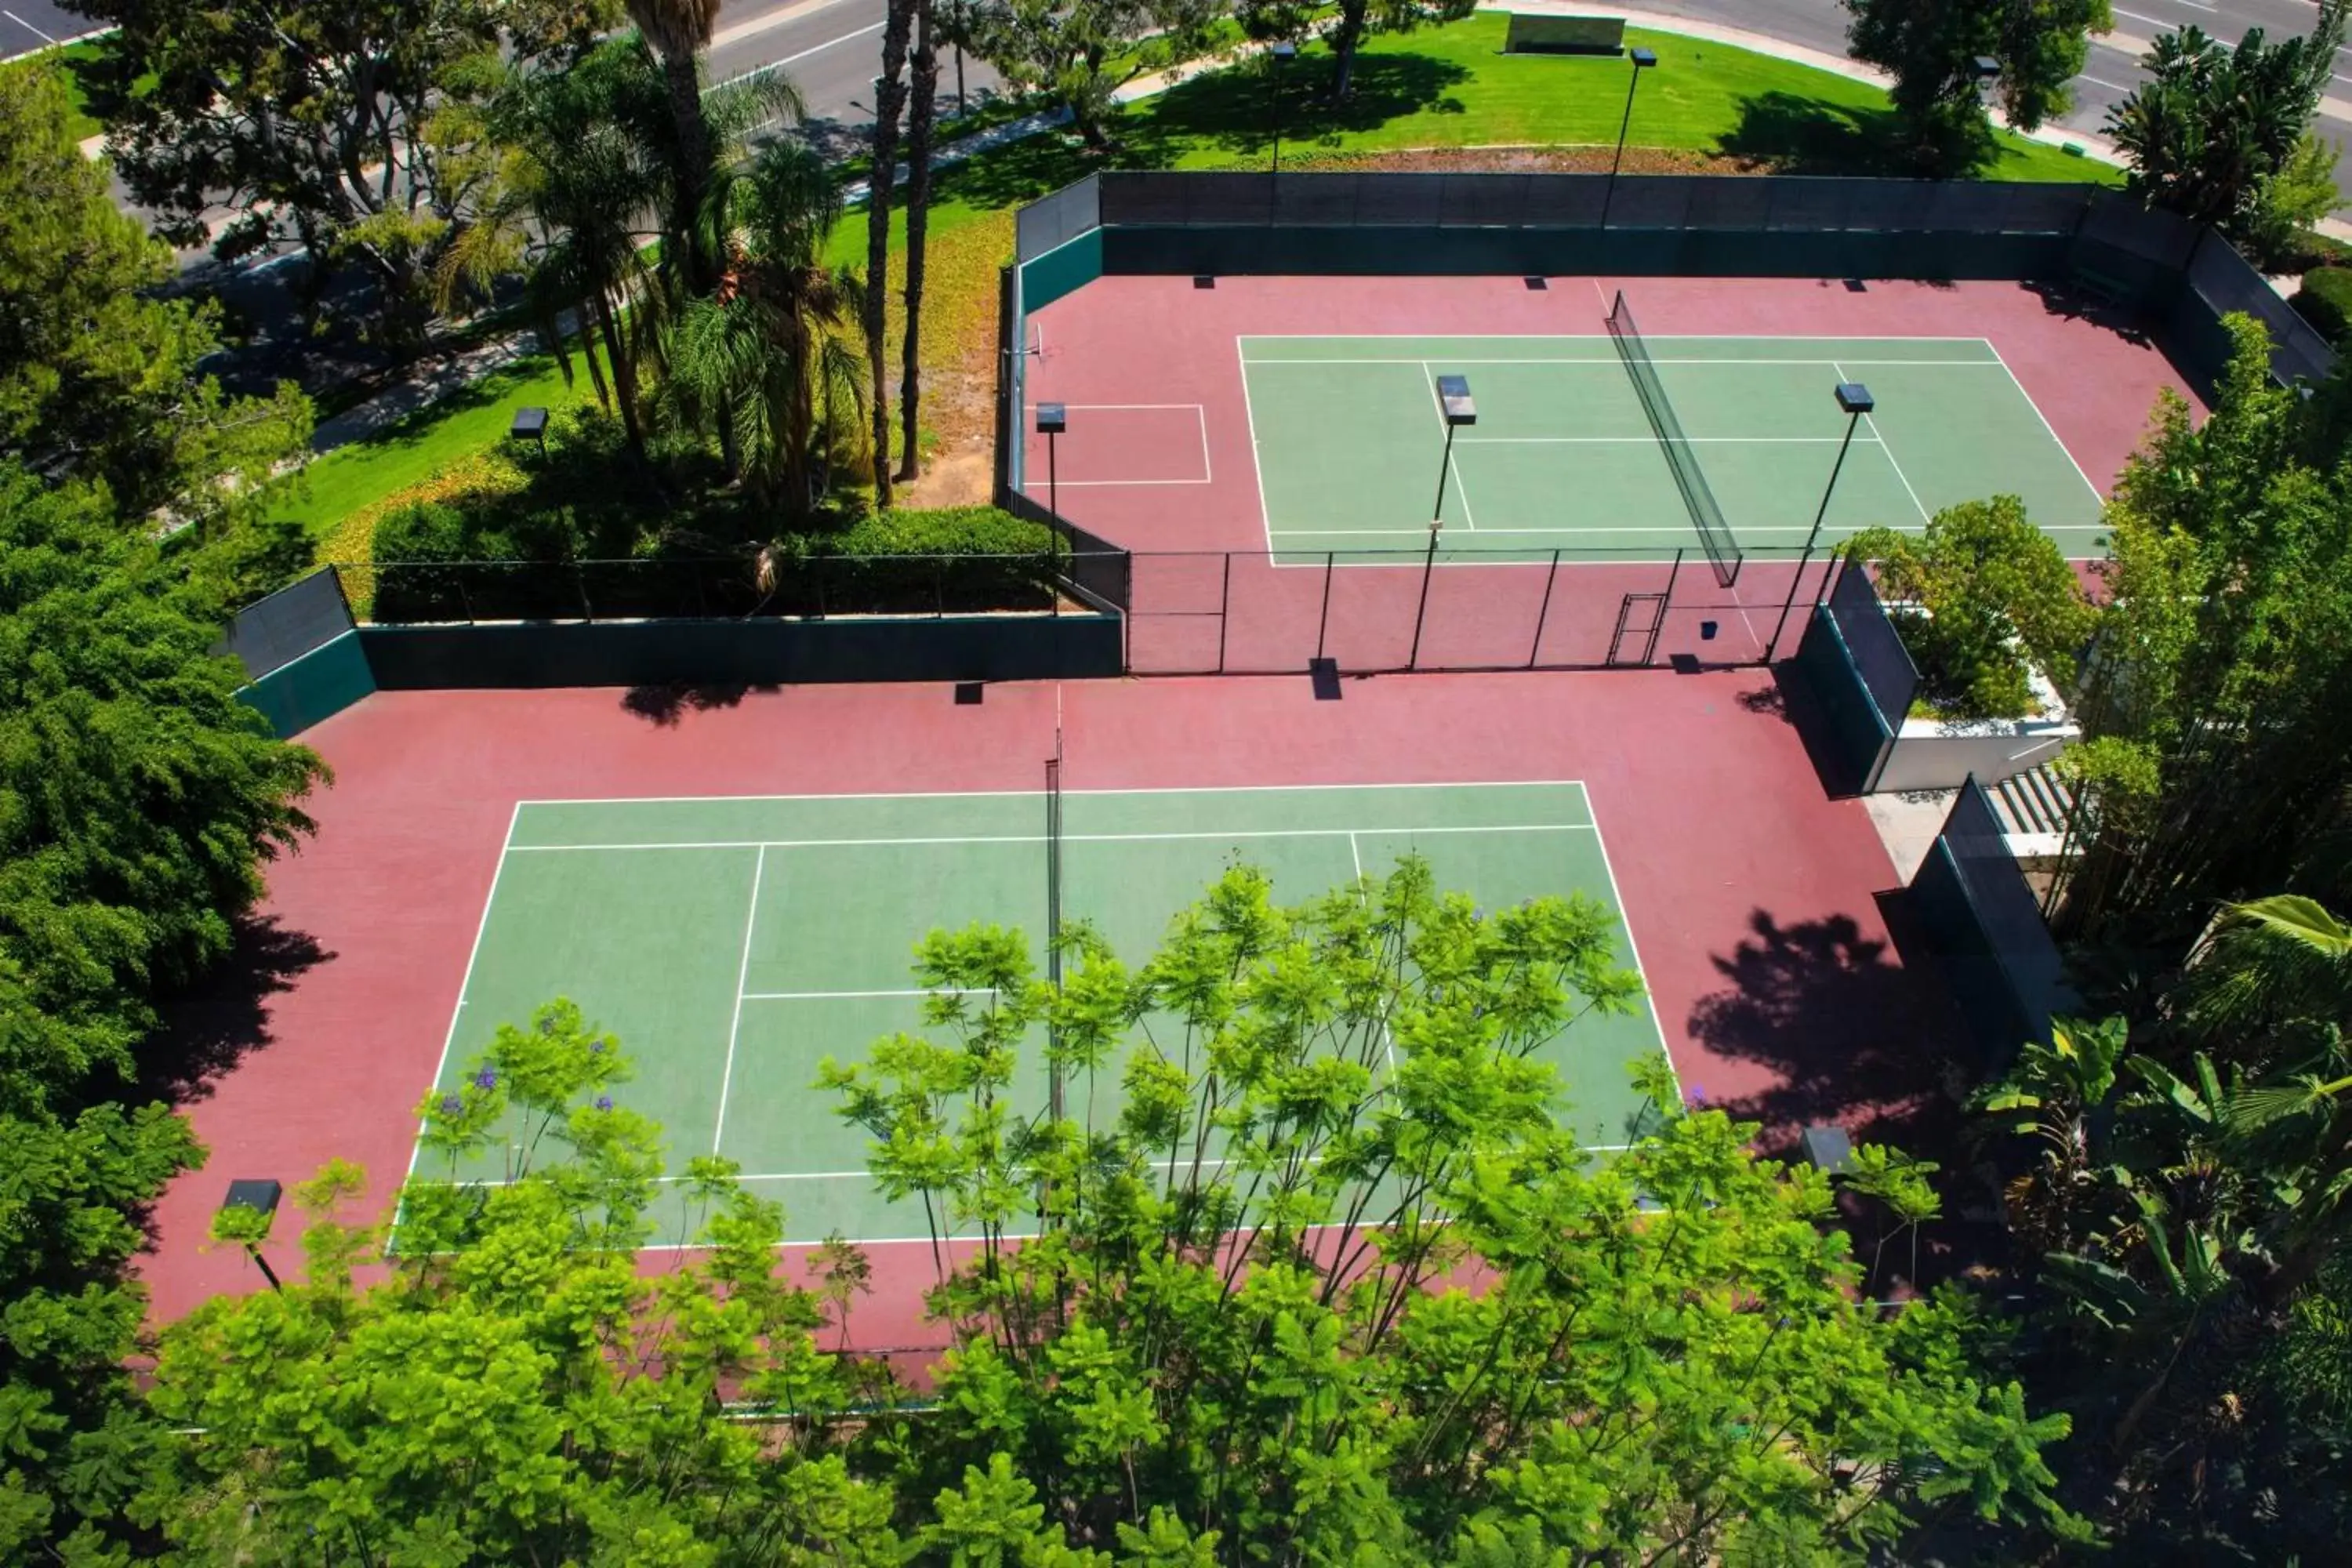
732,944
1348,436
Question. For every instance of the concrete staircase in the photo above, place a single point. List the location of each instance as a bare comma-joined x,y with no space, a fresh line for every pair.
2034,807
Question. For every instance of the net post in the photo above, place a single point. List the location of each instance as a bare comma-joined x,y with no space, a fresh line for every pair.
1224,610
1543,612
1323,622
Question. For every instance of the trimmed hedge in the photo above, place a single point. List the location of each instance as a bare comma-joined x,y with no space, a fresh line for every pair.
948,530
2326,302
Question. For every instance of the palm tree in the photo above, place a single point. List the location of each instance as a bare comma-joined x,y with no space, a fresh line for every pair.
889,90
582,174
768,360
920,112
679,31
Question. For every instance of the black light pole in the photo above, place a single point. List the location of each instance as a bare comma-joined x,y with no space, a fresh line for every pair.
1053,418
259,1197
1643,60
1282,54
1855,400
1455,407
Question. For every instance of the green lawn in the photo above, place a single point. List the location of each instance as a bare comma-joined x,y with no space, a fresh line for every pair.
1442,87
428,442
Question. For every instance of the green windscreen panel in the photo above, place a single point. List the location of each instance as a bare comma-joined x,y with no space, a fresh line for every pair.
1065,269
318,685
1564,34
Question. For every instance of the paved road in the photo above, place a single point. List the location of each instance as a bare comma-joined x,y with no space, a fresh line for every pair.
29,24
832,50
2114,66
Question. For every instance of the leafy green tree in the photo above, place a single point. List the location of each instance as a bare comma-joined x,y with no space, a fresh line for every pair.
1989,597
1272,1159
1931,50
517,1390
2215,129
98,377
79,1444
142,797
2217,694
1356,22
343,129
1076,54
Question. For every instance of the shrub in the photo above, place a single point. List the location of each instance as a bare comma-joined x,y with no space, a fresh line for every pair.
2000,600
948,530
2326,302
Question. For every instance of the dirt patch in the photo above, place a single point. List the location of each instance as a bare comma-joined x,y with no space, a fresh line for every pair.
1534,160
965,477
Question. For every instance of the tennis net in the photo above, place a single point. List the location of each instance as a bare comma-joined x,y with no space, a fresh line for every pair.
1714,533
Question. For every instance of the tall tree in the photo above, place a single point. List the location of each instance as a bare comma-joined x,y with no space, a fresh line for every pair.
2214,126
1931,50
679,31
141,800
889,98
1274,1146
1355,22
1077,54
584,179
334,129
771,351
98,377
921,110
2218,696
517,1390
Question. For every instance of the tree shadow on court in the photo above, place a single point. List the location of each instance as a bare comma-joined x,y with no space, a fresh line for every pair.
1853,1035
666,706
212,1026
2071,302
1863,1042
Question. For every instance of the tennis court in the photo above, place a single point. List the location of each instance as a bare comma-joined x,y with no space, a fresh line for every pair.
732,943
1348,432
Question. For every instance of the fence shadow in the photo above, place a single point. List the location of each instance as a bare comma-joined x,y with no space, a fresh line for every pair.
212,1026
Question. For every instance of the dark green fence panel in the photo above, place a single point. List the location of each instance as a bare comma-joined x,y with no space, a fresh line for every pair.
1062,271
318,685
754,652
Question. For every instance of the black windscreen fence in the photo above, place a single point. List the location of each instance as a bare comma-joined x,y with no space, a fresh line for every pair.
1879,657
805,587
1986,926
274,632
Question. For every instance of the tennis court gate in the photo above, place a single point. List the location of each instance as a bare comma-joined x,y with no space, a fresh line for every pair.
1259,613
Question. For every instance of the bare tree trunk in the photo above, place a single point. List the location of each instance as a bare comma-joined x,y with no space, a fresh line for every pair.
684,80
919,114
889,92
624,374
587,325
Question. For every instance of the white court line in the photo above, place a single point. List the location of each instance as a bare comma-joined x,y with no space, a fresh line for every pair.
465,982
1388,1040
1257,469
1650,441
735,1023
1596,337
765,844
1030,794
1654,359
1649,998
1892,461
849,995
1200,414
2055,437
